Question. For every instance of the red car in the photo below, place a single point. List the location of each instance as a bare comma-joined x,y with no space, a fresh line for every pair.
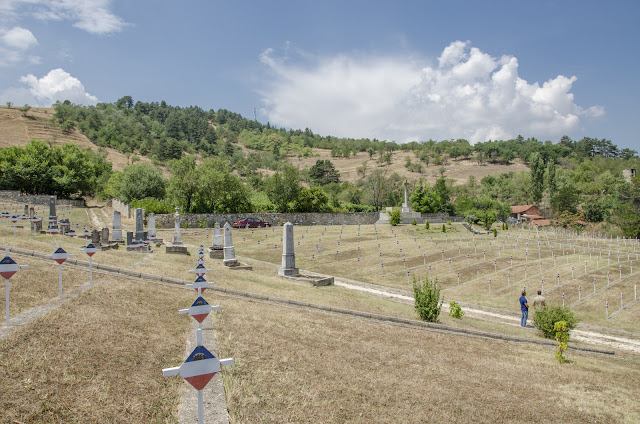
250,223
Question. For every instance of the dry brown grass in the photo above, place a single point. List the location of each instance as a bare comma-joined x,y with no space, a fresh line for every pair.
17,130
301,366
98,358
458,170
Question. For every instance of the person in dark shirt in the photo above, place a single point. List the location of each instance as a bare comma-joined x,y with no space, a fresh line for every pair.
524,307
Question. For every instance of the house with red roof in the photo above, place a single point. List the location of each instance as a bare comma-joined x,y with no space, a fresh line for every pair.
526,212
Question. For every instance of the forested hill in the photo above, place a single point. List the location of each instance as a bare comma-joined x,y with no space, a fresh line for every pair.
164,132
218,161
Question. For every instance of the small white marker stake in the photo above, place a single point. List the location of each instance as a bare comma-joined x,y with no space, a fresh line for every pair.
60,256
8,267
90,250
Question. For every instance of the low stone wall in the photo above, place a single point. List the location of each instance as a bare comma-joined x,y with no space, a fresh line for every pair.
196,220
123,208
37,199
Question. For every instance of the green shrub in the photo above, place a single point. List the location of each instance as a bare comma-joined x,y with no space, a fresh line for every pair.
153,205
455,311
202,223
546,318
495,233
444,228
414,222
428,302
426,225
562,337
396,217
449,223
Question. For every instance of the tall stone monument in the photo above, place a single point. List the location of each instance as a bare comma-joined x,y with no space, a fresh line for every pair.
152,226
288,267
216,251
116,234
177,237
177,246
139,224
229,250
53,218
406,207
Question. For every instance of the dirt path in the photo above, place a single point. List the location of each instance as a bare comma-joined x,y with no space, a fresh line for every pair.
94,218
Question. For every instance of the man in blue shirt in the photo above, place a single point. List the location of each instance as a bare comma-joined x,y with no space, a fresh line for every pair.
524,307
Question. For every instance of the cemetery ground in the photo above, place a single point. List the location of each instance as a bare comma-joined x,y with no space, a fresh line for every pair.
98,356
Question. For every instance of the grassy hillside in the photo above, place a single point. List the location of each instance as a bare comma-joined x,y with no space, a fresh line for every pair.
18,130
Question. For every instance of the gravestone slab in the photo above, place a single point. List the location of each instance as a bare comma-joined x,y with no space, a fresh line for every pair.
217,244
139,224
152,226
116,234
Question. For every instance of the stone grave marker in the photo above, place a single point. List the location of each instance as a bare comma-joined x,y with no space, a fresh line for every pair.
116,234
288,255
229,250
217,243
139,224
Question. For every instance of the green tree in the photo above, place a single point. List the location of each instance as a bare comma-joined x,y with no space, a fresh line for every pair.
140,181
324,172
24,109
283,188
434,199
311,199
183,184
537,177
219,190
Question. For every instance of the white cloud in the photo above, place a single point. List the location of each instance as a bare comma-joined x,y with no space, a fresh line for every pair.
56,85
469,94
13,46
93,16
19,38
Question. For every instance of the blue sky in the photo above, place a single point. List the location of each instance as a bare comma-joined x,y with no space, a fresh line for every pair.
401,70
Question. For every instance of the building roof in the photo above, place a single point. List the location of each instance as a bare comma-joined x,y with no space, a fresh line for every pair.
541,222
521,208
533,216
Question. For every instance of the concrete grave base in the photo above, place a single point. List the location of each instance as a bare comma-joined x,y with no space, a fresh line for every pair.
235,265
216,253
173,249
310,279
288,272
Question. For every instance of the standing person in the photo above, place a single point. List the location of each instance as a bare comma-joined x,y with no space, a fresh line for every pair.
539,302
524,307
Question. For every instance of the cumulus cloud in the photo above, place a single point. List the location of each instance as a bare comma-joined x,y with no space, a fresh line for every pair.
468,94
14,44
93,16
56,85
19,38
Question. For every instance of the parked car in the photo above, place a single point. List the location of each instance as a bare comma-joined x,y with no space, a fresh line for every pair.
250,223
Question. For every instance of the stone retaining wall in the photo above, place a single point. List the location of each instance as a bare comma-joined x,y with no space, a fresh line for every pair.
123,208
196,220
37,199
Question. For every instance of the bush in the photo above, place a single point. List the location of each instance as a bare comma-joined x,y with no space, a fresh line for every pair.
546,318
427,300
495,233
455,311
444,228
414,222
153,205
426,225
396,217
562,337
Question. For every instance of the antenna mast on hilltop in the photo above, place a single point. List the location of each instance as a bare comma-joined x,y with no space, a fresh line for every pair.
254,115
